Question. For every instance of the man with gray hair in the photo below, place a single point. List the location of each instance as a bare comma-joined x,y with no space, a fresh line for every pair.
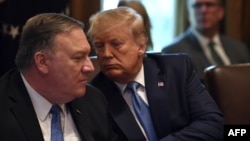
203,42
47,97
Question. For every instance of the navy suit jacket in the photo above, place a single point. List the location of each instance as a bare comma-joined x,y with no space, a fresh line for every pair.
180,106
188,43
18,120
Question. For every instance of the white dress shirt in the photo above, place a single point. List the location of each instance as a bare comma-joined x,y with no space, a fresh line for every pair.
42,108
218,47
141,92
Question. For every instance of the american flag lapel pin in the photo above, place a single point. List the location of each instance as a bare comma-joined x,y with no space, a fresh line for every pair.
160,84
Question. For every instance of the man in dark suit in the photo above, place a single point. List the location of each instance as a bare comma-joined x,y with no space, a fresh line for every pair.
205,17
53,64
179,106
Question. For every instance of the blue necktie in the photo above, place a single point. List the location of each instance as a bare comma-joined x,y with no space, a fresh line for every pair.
56,128
142,112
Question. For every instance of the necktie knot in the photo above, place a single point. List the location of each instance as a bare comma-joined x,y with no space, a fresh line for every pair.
55,110
211,44
133,86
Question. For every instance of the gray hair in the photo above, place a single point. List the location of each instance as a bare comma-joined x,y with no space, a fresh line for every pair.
38,35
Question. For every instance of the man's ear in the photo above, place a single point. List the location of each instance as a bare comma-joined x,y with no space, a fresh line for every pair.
42,61
142,48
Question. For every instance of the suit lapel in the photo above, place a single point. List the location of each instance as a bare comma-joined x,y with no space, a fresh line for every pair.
195,52
193,41
124,117
156,88
23,111
232,56
119,109
81,120
28,121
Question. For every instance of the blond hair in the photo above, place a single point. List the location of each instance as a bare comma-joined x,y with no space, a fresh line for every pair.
109,19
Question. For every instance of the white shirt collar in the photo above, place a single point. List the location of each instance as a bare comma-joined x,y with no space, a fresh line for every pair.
218,47
139,78
41,105
204,40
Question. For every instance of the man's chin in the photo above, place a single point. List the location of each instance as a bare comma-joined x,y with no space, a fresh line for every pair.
112,73
205,26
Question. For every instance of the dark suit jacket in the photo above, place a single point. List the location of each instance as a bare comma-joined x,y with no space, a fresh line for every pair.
18,120
188,43
181,109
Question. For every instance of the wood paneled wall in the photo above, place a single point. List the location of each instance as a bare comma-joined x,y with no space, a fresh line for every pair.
237,20
83,9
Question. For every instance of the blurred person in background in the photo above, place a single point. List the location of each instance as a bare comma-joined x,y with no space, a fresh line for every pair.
202,40
139,7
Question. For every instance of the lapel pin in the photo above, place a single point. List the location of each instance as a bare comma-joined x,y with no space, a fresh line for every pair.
160,84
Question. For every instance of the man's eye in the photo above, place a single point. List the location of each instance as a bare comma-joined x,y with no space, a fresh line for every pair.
77,58
98,46
116,44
